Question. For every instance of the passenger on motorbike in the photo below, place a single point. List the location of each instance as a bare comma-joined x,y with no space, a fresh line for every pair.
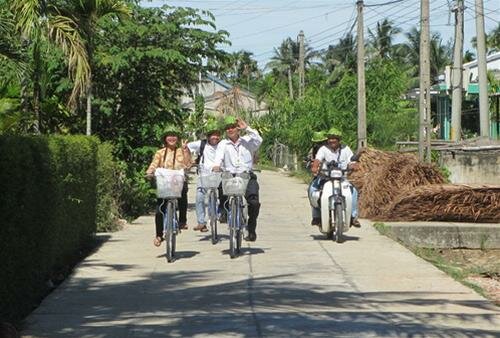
236,155
206,156
318,139
333,150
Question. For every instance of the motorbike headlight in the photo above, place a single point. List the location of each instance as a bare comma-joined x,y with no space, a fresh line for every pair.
336,173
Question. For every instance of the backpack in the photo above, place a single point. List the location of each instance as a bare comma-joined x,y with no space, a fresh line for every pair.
200,152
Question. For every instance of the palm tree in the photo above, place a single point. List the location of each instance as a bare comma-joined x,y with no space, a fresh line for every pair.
381,39
492,41
40,22
286,60
408,53
88,13
342,55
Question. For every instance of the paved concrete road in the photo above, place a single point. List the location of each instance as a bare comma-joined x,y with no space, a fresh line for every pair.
291,282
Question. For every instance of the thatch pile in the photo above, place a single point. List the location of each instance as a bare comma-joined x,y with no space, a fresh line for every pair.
449,202
382,177
396,186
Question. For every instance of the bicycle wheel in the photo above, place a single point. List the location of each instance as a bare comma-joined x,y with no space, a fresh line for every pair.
339,222
239,225
212,213
233,233
169,230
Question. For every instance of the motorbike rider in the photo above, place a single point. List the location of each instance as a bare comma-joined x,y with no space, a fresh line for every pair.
236,155
206,156
342,154
174,155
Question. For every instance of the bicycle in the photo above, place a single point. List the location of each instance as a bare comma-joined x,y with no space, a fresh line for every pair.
234,186
169,185
211,182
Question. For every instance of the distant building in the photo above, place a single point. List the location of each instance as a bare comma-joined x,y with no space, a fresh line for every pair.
470,104
221,98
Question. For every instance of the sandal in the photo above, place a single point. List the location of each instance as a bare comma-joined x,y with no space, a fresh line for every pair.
157,241
201,227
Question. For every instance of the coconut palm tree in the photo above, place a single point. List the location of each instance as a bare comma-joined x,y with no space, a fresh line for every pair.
40,22
87,14
381,40
408,53
338,59
286,60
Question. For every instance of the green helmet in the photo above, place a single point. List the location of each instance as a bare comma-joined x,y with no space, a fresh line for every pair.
171,130
318,136
334,132
211,127
230,121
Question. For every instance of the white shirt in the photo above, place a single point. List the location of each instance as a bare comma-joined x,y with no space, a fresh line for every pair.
207,161
237,157
342,155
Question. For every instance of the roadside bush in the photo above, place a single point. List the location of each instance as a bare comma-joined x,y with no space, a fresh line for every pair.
54,192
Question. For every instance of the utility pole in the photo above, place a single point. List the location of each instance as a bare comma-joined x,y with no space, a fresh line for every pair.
456,73
481,68
361,78
424,141
301,64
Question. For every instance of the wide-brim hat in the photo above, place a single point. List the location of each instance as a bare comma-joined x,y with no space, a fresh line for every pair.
319,136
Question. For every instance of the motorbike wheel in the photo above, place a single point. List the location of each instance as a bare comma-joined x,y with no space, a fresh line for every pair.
339,223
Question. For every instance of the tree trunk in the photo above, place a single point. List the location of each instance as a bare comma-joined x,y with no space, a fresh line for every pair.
37,90
290,82
89,108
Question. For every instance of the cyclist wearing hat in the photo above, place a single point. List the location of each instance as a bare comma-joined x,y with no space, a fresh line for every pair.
235,154
174,155
206,156
334,150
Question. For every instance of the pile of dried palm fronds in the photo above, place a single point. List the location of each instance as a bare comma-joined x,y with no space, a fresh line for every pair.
450,202
383,176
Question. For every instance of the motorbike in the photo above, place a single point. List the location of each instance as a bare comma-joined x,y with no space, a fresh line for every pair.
334,200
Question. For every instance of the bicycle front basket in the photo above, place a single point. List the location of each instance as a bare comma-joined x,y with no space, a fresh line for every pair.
169,183
210,180
235,185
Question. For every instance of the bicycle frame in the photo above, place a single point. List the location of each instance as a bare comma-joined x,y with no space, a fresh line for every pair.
212,212
168,209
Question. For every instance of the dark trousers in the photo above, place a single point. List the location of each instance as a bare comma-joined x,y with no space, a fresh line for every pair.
222,202
252,197
182,206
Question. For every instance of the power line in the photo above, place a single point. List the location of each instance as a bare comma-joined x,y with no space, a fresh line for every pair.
282,26
384,4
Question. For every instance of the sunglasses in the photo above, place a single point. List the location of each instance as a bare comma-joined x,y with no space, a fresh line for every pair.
232,126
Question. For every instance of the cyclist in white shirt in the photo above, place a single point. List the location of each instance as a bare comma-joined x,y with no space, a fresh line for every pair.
342,154
206,156
235,154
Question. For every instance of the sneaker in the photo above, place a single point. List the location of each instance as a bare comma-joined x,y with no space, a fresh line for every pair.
316,221
252,236
223,218
355,223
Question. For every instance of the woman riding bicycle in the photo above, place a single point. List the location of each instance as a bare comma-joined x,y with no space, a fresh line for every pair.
174,155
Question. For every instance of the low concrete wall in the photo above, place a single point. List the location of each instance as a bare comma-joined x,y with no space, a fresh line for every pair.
479,167
446,235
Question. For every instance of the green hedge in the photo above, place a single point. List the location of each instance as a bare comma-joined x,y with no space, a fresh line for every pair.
50,188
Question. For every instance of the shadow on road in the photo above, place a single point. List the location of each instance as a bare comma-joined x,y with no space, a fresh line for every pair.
182,254
165,304
322,237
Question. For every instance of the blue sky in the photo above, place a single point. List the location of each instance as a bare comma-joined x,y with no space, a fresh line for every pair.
260,25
